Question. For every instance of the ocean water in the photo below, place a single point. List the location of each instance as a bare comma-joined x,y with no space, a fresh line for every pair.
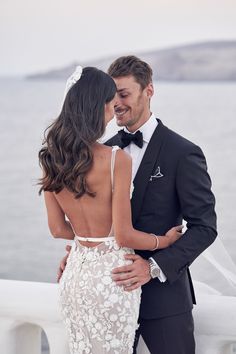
202,112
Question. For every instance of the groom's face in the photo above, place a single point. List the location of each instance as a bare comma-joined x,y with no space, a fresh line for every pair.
132,106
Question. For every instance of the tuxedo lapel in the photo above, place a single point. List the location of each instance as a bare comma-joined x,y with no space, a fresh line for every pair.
145,169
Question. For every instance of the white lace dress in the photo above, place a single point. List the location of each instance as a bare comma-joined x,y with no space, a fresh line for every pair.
100,316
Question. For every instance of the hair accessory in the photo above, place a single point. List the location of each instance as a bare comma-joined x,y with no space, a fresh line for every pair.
73,79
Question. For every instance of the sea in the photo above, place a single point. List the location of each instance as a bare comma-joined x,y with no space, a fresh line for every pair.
203,112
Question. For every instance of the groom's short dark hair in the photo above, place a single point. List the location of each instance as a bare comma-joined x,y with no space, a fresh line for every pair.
131,65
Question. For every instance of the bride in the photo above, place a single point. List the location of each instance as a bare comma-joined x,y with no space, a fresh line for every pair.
87,187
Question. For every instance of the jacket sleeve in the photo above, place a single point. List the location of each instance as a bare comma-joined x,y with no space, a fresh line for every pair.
197,204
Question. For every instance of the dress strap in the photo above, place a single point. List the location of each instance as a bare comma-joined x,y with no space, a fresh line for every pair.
113,158
94,239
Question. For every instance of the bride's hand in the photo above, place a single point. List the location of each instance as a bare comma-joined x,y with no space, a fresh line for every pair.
174,234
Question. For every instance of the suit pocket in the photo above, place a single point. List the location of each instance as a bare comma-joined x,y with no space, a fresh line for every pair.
157,183
160,191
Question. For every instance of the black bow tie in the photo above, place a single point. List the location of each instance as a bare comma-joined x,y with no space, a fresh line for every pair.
126,138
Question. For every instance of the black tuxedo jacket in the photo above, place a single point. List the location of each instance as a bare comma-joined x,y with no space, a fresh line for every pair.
179,189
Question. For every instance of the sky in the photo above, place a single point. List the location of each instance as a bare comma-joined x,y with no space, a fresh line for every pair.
39,35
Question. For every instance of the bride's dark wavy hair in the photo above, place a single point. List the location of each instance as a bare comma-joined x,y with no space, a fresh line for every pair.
66,156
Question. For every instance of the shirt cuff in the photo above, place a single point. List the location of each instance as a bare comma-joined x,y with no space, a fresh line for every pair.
162,276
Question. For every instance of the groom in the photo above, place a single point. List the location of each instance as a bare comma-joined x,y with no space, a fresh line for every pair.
171,183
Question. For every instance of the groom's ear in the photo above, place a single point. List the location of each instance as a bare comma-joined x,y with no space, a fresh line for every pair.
149,90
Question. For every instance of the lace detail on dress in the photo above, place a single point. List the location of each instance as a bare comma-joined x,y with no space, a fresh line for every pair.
99,315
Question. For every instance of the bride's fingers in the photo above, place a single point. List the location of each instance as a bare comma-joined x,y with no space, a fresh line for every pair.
178,235
179,228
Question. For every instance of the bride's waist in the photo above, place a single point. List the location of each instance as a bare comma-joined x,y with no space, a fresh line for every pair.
100,245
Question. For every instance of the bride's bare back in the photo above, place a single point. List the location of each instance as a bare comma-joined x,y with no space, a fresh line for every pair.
92,216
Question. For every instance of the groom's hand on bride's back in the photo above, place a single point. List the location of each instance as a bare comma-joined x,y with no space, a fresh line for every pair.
63,264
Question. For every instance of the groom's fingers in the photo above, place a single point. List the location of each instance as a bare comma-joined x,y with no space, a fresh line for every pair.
127,282
132,287
122,276
68,248
62,267
123,269
132,257
127,268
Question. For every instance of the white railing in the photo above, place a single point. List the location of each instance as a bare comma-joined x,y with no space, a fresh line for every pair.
28,307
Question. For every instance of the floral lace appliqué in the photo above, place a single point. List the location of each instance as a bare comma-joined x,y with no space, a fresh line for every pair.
100,316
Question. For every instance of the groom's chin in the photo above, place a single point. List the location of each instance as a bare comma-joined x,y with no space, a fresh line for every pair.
119,122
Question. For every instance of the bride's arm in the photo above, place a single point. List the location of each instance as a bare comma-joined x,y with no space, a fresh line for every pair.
57,223
126,235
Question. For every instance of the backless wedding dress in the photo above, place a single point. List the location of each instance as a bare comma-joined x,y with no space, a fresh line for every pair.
100,316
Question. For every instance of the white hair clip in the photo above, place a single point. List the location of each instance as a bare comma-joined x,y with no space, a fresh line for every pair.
73,79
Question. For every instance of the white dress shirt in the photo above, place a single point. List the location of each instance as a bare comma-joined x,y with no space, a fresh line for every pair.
137,154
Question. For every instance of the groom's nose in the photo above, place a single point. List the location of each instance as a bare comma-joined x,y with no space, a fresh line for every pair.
117,101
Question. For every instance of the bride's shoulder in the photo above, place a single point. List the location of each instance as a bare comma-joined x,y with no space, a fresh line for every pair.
122,157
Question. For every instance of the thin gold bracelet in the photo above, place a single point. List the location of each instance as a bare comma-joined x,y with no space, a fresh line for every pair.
157,242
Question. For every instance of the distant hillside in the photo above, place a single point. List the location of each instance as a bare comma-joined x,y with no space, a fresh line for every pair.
210,61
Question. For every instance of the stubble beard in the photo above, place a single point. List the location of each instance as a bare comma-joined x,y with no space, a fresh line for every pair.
129,124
